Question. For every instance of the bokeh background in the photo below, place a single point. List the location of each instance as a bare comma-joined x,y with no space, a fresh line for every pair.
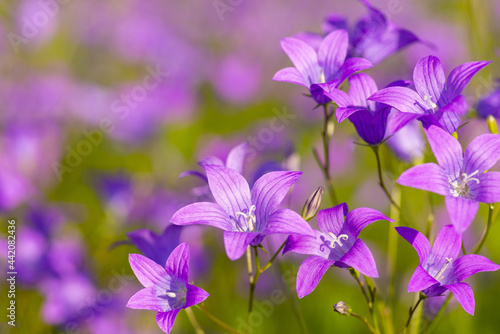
103,104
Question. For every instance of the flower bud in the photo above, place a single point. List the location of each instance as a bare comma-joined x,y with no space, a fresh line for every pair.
330,128
312,204
492,124
342,308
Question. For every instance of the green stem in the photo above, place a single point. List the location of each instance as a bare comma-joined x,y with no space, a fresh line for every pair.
325,166
193,321
216,320
381,178
412,310
438,316
369,296
251,288
363,319
487,229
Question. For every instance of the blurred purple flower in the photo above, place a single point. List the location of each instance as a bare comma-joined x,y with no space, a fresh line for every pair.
489,105
461,178
373,37
442,268
408,142
156,247
335,244
436,100
166,290
326,66
246,217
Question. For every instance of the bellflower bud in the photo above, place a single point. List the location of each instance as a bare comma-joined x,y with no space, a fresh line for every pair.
342,308
311,207
492,124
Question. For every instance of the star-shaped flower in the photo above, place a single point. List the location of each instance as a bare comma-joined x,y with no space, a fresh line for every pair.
436,99
245,216
335,244
166,290
461,178
441,268
328,65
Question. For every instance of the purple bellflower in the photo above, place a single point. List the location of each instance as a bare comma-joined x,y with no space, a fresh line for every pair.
327,65
166,290
461,178
373,37
441,268
335,244
436,100
156,247
369,118
489,105
246,217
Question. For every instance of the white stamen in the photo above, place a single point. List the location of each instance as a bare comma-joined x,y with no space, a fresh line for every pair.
322,77
250,218
171,294
460,187
336,239
443,268
429,99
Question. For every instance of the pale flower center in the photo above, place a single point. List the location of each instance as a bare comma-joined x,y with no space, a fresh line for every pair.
428,99
460,187
439,275
249,218
337,240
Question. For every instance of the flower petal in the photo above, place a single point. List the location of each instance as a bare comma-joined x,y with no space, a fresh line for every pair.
229,188
310,273
204,213
145,300
343,113
193,173
482,153
417,240
351,66
446,246
341,98
467,265
461,211
461,76
268,192
429,176
362,86
360,218
194,295
429,79
303,57
398,120
402,98
449,115
488,190
360,258
371,127
291,75
210,161
446,149
305,244
166,320
236,157
332,220
420,280
178,262
464,295
287,222
332,53
236,243
147,271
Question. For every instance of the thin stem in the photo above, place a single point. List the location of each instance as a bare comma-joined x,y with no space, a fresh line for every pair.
438,316
369,296
193,321
412,310
251,287
363,319
381,179
487,229
216,320
325,166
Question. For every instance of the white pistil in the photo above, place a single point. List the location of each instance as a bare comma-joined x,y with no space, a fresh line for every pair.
429,99
322,77
460,187
250,218
336,239
443,268
171,294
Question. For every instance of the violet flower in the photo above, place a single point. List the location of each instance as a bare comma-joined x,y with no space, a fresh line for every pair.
246,217
436,100
373,37
461,178
328,65
369,118
166,290
441,268
156,247
489,105
335,244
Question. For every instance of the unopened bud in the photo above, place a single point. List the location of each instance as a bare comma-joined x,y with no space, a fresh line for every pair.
330,128
342,308
311,207
492,124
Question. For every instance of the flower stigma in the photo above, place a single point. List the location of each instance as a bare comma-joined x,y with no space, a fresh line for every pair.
439,276
336,239
460,187
250,218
